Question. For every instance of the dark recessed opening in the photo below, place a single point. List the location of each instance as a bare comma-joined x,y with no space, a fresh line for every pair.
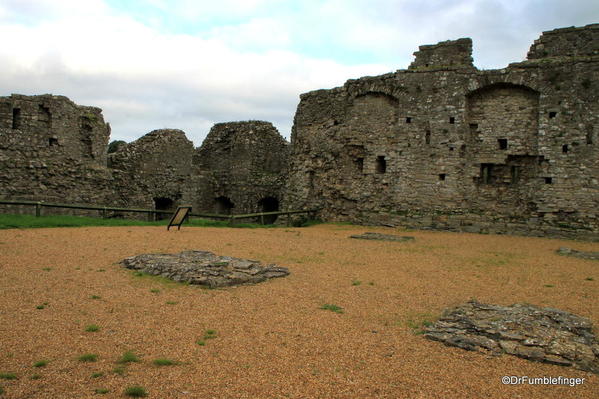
486,170
16,118
451,120
548,180
359,162
381,164
427,137
442,176
163,204
515,174
269,204
502,144
589,136
450,148
565,148
52,141
473,127
409,119
223,205
552,114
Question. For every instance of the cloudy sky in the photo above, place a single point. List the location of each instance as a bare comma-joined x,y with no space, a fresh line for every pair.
191,63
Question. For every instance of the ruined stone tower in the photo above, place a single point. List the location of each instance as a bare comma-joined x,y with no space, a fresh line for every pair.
444,145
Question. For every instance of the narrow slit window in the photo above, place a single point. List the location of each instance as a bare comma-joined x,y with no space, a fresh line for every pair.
515,172
16,118
486,169
381,164
427,137
359,164
502,144
442,176
451,120
408,119
565,148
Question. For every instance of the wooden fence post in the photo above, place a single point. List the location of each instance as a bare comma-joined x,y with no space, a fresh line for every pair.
38,209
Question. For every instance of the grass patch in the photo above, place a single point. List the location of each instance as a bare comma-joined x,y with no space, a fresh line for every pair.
171,302
332,308
356,282
418,321
40,363
92,328
201,342
40,307
101,391
155,291
10,221
548,286
88,357
163,281
164,362
589,279
120,370
8,376
136,391
95,297
210,334
35,377
97,375
129,357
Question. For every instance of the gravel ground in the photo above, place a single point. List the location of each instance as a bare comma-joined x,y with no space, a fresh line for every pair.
272,339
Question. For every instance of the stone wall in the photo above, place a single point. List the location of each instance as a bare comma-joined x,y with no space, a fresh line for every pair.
443,145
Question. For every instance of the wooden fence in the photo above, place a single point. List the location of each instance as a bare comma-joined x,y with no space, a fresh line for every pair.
152,213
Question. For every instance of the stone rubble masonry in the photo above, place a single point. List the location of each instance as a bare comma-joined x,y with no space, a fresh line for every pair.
443,145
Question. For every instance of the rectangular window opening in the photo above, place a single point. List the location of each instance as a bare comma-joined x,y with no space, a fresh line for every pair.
451,120
565,148
502,144
381,164
473,127
548,180
52,141
359,164
552,114
442,176
427,137
515,172
409,119
16,118
486,170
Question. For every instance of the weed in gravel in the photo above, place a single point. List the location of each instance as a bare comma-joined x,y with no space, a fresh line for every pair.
88,357
92,328
40,363
201,342
1,391
128,357
418,321
155,291
120,370
209,334
171,302
589,279
136,391
101,270
164,362
97,375
371,283
548,286
95,297
356,282
46,269
332,308
35,377
101,391
8,376
40,307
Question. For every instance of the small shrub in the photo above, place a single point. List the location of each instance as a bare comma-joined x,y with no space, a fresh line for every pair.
332,308
88,357
101,391
8,376
92,328
128,357
136,391
97,375
40,363
164,362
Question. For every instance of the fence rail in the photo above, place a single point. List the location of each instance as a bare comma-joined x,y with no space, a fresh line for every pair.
152,213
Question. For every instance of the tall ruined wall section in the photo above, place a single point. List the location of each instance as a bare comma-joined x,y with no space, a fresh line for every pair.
242,168
52,149
154,170
443,145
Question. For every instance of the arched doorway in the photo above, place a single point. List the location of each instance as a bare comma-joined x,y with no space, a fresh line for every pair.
269,204
223,205
163,204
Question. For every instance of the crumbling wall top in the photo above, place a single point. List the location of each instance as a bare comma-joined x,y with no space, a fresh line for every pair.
447,54
566,42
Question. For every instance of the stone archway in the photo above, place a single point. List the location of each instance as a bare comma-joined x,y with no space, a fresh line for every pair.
269,204
163,204
223,205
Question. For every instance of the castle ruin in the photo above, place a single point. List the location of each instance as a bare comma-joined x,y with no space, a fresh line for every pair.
440,145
